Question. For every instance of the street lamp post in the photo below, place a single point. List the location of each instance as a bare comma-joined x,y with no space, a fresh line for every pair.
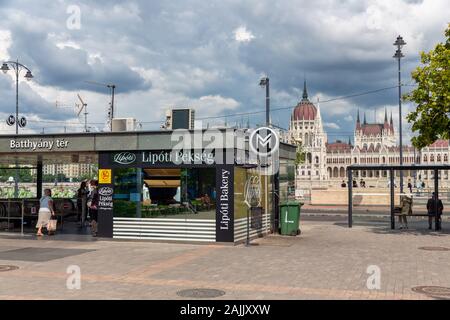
17,68
265,83
399,42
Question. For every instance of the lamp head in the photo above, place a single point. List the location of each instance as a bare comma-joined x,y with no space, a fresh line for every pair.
398,54
399,42
264,81
28,76
5,68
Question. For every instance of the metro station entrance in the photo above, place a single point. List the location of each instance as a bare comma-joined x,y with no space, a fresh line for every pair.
22,181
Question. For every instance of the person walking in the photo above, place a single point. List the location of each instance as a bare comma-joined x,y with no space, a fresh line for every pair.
82,194
92,204
46,211
409,185
431,208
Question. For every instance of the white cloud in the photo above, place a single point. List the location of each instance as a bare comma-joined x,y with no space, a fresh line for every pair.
331,125
217,102
241,34
5,43
348,118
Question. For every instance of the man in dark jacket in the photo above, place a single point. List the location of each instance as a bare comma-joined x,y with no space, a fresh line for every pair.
431,208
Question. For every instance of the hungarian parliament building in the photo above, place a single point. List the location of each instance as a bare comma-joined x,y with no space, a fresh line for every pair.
374,143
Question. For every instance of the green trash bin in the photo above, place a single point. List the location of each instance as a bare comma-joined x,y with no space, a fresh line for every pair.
289,220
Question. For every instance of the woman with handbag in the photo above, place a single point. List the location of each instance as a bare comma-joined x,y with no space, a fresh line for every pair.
46,211
93,206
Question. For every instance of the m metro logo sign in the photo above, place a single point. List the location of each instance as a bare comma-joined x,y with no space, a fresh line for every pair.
264,141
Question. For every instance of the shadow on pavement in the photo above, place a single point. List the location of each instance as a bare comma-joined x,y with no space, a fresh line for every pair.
416,228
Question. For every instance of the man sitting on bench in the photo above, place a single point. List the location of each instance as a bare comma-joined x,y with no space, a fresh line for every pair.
432,211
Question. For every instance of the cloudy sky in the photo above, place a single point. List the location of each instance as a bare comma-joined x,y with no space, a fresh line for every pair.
210,55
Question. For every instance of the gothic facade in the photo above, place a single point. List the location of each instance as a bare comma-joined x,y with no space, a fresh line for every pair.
374,143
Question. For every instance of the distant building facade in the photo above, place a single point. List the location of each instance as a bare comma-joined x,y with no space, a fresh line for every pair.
374,143
72,170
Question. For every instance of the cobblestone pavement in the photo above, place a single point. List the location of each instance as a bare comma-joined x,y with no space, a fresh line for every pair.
328,261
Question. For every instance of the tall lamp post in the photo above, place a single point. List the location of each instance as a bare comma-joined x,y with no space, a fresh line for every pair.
17,68
399,43
265,83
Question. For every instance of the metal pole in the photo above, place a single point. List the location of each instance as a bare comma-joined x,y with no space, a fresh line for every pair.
85,119
23,209
16,180
9,212
436,199
17,97
273,183
247,242
113,87
350,198
400,117
391,176
267,103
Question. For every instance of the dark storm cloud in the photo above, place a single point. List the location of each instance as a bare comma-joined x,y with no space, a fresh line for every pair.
189,51
29,101
67,67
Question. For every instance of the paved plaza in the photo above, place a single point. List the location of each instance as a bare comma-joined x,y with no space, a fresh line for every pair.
327,261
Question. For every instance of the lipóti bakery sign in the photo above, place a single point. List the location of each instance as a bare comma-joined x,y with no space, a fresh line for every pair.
159,158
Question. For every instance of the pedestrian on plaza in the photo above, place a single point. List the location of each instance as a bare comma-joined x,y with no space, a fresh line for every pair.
92,204
82,194
362,183
409,185
46,211
343,184
419,186
355,184
404,210
431,208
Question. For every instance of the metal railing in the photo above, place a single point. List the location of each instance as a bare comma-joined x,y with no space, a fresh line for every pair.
12,210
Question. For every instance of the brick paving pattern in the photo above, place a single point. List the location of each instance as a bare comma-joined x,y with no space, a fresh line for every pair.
328,261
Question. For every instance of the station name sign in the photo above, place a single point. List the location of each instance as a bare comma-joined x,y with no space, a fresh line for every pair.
40,144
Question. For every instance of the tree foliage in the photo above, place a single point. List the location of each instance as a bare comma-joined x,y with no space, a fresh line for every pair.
431,119
300,154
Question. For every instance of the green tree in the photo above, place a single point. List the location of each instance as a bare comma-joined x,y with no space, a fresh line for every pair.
48,178
300,154
431,119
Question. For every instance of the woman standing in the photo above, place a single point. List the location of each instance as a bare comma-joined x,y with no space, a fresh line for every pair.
82,203
93,206
46,211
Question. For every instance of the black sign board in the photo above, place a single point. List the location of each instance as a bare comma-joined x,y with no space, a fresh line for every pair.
225,203
105,210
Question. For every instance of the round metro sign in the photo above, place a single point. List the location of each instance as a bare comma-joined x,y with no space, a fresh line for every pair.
11,120
22,122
